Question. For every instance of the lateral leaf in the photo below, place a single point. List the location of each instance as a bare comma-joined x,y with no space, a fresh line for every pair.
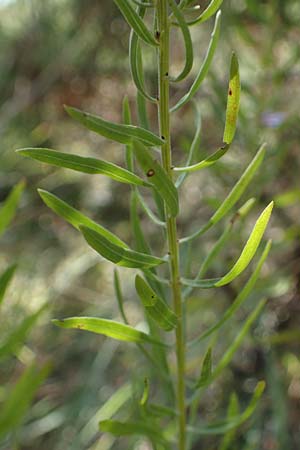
239,300
158,177
233,196
233,101
206,162
207,13
205,371
131,428
158,310
204,67
250,248
189,58
135,22
17,403
116,132
224,426
76,218
92,166
117,254
10,205
109,328
5,279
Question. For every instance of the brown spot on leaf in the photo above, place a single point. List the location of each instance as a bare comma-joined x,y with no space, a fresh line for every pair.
230,91
150,173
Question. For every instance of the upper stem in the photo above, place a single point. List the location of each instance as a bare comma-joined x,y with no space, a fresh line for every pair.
164,124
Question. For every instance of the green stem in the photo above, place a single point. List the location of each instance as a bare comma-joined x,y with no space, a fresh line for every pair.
164,123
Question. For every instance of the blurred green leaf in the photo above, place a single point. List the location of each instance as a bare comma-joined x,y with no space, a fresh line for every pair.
206,162
158,310
109,328
82,164
118,255
232,411
116,132
145,396
131,428
5,279
135,22
10,205
206,370
226,425
233,101
21,395
76,218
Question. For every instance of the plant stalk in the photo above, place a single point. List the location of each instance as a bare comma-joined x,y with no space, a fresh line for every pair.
164,124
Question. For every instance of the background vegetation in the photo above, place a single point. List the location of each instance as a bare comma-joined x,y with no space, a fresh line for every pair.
74,52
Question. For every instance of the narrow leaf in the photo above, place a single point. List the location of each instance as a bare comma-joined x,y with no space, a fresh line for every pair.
206,370
10,205
206,162
109,328
119,295
76,218
116,132
158,310
233,196
226,425
157,176
18,334
118,255
82,164
238,339
149,211
5,279
189,58
233,410
233,101
131,428
207,13
204,67
135,22
240,299
250,248
20,398
145,395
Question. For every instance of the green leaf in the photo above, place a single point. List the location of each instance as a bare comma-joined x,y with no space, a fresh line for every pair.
206,162
131,428
245,258
207,13
239,300
233,101
233,410
18,334
119,295
149,211
82,164
21,395
158,177
189,58
204,67
10,205
118,255
145,396
116,132
233,196
135,22
5,279
158,310
250,248
136,64
109,328
140,242
238,339
206,370
226,425
76,218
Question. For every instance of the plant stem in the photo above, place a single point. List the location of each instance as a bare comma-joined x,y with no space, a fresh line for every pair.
164,123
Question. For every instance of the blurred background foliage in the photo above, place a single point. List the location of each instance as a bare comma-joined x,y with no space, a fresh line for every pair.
56,52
